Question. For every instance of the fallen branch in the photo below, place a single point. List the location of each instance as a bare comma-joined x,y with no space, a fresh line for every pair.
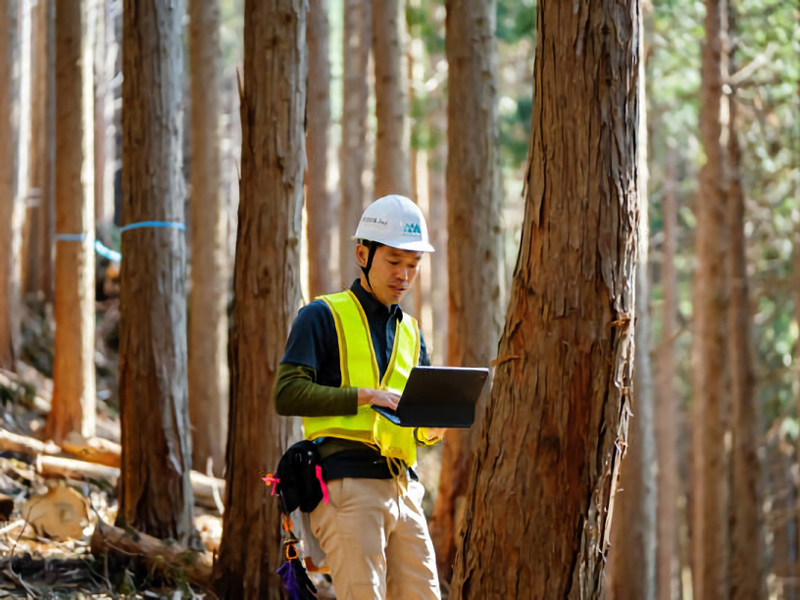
25,444
157,554
55,466
95,450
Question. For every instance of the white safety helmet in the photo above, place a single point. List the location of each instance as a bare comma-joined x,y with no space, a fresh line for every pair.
394,221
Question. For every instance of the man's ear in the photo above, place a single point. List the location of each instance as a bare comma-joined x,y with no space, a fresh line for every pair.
362,254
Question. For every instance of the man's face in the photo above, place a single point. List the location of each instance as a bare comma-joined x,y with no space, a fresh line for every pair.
392,272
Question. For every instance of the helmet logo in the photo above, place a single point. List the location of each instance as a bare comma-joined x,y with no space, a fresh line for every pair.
412,229
375,220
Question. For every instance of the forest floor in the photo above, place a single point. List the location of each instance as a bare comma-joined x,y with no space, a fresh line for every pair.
47,521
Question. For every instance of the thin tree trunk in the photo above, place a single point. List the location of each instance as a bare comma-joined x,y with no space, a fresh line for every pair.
710,534
540,497
437,207
633,537
474,250
266,291
746,561
24,146
102,212
42,180
357,40
666,398
155,490
319,208
392,173
73,366
112,152
782,520
9,281
208,322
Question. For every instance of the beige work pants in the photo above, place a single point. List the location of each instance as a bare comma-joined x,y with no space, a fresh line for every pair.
376,541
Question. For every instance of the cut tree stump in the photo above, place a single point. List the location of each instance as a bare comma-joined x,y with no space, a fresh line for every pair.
158,554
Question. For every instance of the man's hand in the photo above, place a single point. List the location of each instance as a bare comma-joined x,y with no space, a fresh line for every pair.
383,398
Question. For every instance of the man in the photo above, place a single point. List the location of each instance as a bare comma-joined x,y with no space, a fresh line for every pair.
346,353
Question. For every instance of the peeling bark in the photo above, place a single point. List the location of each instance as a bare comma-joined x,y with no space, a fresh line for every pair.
540,495
155,490
266,291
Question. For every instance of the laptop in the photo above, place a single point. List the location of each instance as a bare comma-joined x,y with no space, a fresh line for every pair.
438,397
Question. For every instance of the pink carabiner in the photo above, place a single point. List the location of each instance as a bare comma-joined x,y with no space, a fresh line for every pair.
270,481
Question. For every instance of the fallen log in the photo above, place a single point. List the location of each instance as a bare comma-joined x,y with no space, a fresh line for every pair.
157,554
207,490
25,444
95,450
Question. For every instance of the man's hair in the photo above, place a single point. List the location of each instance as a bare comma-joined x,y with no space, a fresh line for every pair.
369,243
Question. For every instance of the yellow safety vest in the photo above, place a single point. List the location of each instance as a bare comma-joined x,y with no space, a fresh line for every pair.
359,369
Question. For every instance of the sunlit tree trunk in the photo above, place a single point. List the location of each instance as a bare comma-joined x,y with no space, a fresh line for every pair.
23,115
318,201
392,173
475,241
155,491
666,398
633,536
9,277
352,157
74,396
710,529
102,211
747,580
208,320
266,291
540,497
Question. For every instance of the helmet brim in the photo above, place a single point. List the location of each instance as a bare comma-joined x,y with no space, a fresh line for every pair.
415,246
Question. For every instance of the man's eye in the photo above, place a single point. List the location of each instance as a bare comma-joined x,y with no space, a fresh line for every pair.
394,263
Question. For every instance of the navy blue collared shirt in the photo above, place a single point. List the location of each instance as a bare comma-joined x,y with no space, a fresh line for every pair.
313,341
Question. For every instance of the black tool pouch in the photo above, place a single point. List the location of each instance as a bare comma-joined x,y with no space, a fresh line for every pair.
299,477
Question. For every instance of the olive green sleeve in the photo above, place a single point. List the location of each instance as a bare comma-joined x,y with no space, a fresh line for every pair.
297,395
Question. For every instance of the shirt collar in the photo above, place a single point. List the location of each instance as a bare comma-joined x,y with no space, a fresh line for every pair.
372,305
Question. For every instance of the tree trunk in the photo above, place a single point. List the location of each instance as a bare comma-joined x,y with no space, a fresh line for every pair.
548,456
156,494
74,395
208,322
747,579
437,207
666,398
319,208
9,280
24,146
782,519
43,155
111,118
710,533
352,158
392,172
102,211
266,291
474,248
633,538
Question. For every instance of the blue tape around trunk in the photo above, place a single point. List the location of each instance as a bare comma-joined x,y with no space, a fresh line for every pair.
160,224
71,237
108,253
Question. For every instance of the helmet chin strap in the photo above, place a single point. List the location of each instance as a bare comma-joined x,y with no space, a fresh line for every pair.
373,247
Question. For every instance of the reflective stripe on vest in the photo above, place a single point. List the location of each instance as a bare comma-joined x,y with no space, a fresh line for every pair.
359,368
